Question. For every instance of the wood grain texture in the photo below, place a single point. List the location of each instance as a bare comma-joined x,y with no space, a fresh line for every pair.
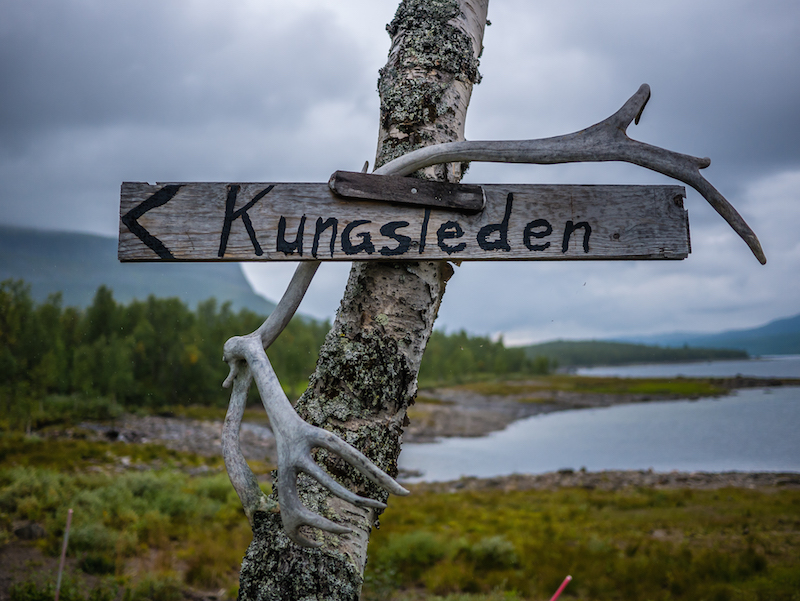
294,222
466,198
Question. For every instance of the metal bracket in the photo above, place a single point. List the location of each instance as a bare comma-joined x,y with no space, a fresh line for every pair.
466,198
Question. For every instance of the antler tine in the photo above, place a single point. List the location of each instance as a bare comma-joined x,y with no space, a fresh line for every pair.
294,514
602,142
358,460
320,475
242,478
632,110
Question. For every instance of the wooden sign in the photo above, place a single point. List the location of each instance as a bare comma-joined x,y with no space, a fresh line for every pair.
297,222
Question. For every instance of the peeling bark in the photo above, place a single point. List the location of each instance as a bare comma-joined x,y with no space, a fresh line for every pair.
366,376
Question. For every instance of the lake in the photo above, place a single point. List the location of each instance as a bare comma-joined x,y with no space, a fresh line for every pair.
749,430
776,366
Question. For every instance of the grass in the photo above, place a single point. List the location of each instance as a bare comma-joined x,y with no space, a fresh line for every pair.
158,516
682,387
736,545
152,533
76,456
149,531
253,414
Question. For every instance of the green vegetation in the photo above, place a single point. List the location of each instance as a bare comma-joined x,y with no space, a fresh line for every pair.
595,352
657,387
76,456
142,529
71,590
145,528
459,357
64,365
727,544
149,534
60,363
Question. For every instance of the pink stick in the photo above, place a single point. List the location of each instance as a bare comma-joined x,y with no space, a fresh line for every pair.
63,554
558,592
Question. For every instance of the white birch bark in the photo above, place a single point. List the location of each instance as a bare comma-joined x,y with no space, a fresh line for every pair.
366,376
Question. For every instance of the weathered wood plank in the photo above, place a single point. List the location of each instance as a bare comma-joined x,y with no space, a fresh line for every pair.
291,222
466,198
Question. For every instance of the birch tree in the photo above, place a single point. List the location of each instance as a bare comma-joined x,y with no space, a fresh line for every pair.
366,376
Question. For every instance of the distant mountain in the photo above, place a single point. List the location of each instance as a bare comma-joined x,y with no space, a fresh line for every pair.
779,337
77,264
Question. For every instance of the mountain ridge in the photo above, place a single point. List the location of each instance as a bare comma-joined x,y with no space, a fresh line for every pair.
76,264
777,337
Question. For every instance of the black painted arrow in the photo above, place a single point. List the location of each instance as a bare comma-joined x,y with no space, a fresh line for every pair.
161,197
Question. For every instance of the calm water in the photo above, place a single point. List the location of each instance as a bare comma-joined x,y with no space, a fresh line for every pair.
777,366
751,430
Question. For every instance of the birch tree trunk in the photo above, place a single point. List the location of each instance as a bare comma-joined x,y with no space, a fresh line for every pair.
366,376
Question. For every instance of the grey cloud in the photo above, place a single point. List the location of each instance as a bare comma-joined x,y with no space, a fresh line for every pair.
94,93
150,63
725,75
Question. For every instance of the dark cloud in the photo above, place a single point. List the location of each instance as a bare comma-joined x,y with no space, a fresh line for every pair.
724,74
70,64
98,92
94,93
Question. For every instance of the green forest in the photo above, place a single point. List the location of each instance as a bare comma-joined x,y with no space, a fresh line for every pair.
144,355
588,353
158,353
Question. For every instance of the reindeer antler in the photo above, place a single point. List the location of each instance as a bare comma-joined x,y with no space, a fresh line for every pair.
605,141
602,142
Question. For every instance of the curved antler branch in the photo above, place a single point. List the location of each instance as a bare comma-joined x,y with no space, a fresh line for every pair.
295,438
240,377
602,142
244,481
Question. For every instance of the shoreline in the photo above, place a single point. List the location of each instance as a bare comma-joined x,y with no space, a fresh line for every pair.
611,480
438,413
449,412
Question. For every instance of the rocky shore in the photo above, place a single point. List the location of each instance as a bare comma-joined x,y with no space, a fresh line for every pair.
616,480
438,413
448,412
187,435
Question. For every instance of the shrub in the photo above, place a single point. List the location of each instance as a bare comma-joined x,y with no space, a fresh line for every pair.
97,564
156,588
71,590
492,553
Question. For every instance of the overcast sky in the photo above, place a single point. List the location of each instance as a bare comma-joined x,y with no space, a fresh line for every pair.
96,92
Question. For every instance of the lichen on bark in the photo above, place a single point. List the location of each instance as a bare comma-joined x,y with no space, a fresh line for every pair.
315,574
426,82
